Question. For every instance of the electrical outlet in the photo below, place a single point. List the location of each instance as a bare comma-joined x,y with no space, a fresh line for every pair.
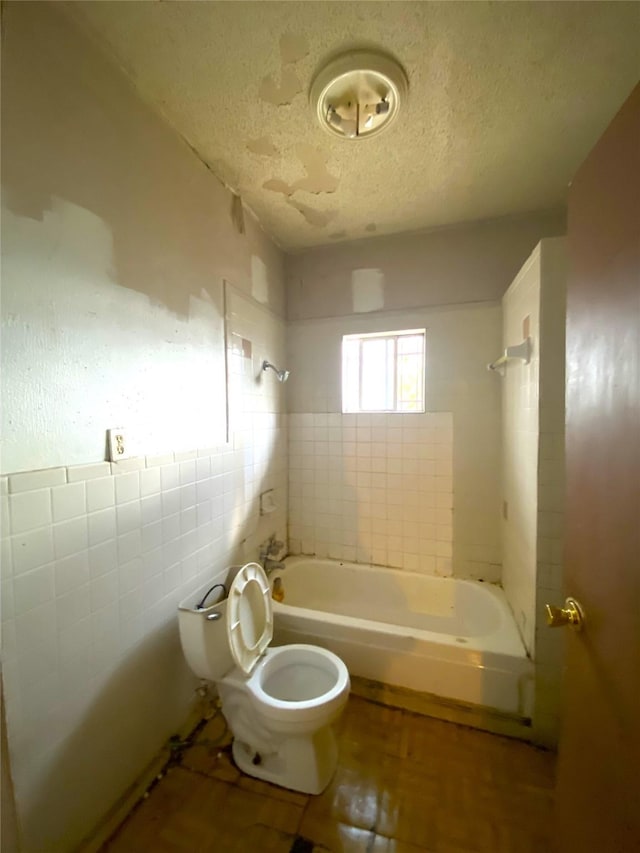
117,444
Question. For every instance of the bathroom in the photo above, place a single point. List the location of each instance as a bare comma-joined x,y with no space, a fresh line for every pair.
148,274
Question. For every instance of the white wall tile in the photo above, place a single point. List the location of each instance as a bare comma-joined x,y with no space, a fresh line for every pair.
159,459
135,463
150,481
70,537
131,605
127,487
104,624
32,549
101,493
72,607
33,588
151,536
68,501
129,546
6,603
376,495
102,526
187,471
71,572
170,476
103,590
6,559
151,509
28,510
130,576
520,471
36,630
103,558
5,520
131,632
533,414
128,517
170,502
29,481
77,473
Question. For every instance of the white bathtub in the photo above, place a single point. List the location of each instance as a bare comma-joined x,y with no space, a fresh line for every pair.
454,639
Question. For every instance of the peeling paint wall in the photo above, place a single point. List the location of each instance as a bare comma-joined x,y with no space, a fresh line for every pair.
116,242
367,287
123,313
448,266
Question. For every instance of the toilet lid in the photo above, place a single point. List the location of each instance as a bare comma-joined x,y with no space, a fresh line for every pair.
249,616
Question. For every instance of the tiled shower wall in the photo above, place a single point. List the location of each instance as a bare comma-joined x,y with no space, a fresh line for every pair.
520,405
533,442
373,489
95,560
419,492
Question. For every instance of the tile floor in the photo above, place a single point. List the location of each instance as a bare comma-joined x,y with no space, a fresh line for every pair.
405,784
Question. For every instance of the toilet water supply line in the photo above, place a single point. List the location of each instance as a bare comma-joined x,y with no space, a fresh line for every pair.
177,745
200,606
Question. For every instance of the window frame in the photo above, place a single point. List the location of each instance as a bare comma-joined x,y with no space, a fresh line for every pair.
392,335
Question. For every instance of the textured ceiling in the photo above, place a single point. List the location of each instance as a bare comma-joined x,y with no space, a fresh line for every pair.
505,101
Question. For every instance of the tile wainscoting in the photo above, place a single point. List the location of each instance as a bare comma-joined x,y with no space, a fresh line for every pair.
95,559
373,488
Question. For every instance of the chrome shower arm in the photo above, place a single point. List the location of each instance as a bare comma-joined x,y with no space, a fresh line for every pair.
282,375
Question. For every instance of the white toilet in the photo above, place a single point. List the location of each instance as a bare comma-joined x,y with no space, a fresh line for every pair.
279,703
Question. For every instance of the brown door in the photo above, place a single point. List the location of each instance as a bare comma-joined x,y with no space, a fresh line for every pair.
598,794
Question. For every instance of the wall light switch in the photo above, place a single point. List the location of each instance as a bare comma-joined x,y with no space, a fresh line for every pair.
117,444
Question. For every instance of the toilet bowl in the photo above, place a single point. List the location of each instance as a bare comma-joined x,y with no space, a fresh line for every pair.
280,703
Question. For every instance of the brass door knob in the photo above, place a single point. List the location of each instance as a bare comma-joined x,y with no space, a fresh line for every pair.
571,614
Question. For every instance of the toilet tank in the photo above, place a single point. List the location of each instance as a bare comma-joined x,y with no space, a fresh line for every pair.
204,641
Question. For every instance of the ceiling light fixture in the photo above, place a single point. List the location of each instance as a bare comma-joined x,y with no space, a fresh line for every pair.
358,95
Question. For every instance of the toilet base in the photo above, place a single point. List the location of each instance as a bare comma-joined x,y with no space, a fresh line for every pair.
305,764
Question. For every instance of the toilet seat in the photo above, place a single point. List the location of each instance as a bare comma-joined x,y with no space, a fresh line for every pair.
249,617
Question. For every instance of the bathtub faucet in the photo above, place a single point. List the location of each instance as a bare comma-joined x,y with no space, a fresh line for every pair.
268,550
272,565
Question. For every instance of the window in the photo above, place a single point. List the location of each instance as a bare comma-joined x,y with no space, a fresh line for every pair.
383,372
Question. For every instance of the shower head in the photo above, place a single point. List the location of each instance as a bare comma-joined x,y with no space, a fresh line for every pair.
282,375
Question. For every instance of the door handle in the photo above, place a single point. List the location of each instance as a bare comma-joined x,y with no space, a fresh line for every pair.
571,614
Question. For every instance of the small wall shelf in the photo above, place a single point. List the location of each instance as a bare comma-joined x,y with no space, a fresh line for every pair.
267,504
